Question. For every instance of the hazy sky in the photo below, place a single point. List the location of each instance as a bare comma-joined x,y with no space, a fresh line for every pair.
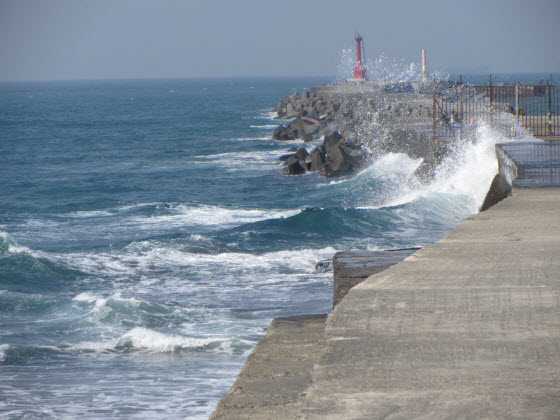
91,39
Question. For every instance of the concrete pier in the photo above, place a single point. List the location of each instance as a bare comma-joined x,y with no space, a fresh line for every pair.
467,328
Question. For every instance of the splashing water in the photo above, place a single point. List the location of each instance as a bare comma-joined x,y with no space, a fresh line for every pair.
387,68
467,171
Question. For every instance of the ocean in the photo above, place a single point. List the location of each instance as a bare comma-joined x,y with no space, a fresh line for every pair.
148,237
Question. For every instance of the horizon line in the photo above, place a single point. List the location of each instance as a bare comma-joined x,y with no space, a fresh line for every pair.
334,77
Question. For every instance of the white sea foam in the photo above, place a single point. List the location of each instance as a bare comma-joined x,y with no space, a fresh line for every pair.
249,139
84,214
299,260
17,249
93,213
140,338
395,165
211,216
143,338
237,159
146,256
3,348
467,172
471,171
266,126
85,297
5,236
198,238
267,115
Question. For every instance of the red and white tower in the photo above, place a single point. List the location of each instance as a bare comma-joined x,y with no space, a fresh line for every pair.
359,69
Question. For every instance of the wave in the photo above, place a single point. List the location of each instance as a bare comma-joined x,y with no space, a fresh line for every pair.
206,215
130,309
139,258
25,270
26,303
471,167
391,181
140,338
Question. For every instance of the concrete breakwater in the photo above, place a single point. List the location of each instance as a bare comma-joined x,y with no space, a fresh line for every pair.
371,118
467,327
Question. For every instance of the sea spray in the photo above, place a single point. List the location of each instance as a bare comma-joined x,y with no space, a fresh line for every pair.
387,68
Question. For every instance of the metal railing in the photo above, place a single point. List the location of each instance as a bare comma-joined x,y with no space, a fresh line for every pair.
458,110
531,164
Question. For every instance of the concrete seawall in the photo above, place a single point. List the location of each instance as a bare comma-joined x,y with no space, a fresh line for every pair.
468,327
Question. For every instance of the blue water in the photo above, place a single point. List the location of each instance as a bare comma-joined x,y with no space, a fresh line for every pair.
148,237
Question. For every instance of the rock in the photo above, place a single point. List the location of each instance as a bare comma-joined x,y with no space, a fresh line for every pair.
332,140
323,266
302,153
499,189
290,111
299,129
293,167
292,150
335,163
281,133
341,157
317,159
284,158
293,97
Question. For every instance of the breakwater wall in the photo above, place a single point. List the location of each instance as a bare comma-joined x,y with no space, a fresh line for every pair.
463,328
372,118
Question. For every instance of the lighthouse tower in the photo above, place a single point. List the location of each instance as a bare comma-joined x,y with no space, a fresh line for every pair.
359,69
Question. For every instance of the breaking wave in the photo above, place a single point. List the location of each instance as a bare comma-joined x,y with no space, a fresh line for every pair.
141,338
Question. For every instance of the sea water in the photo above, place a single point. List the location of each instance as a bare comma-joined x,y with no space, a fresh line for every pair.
148,237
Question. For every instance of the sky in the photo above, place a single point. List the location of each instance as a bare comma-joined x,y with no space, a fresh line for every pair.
113,39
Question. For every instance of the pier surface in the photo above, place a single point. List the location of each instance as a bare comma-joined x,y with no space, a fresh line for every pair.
468,328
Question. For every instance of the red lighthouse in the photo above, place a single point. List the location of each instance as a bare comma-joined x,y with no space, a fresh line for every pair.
359,69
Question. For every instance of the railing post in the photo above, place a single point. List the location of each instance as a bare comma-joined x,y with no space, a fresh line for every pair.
549,109
434,113
461,117
517,101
